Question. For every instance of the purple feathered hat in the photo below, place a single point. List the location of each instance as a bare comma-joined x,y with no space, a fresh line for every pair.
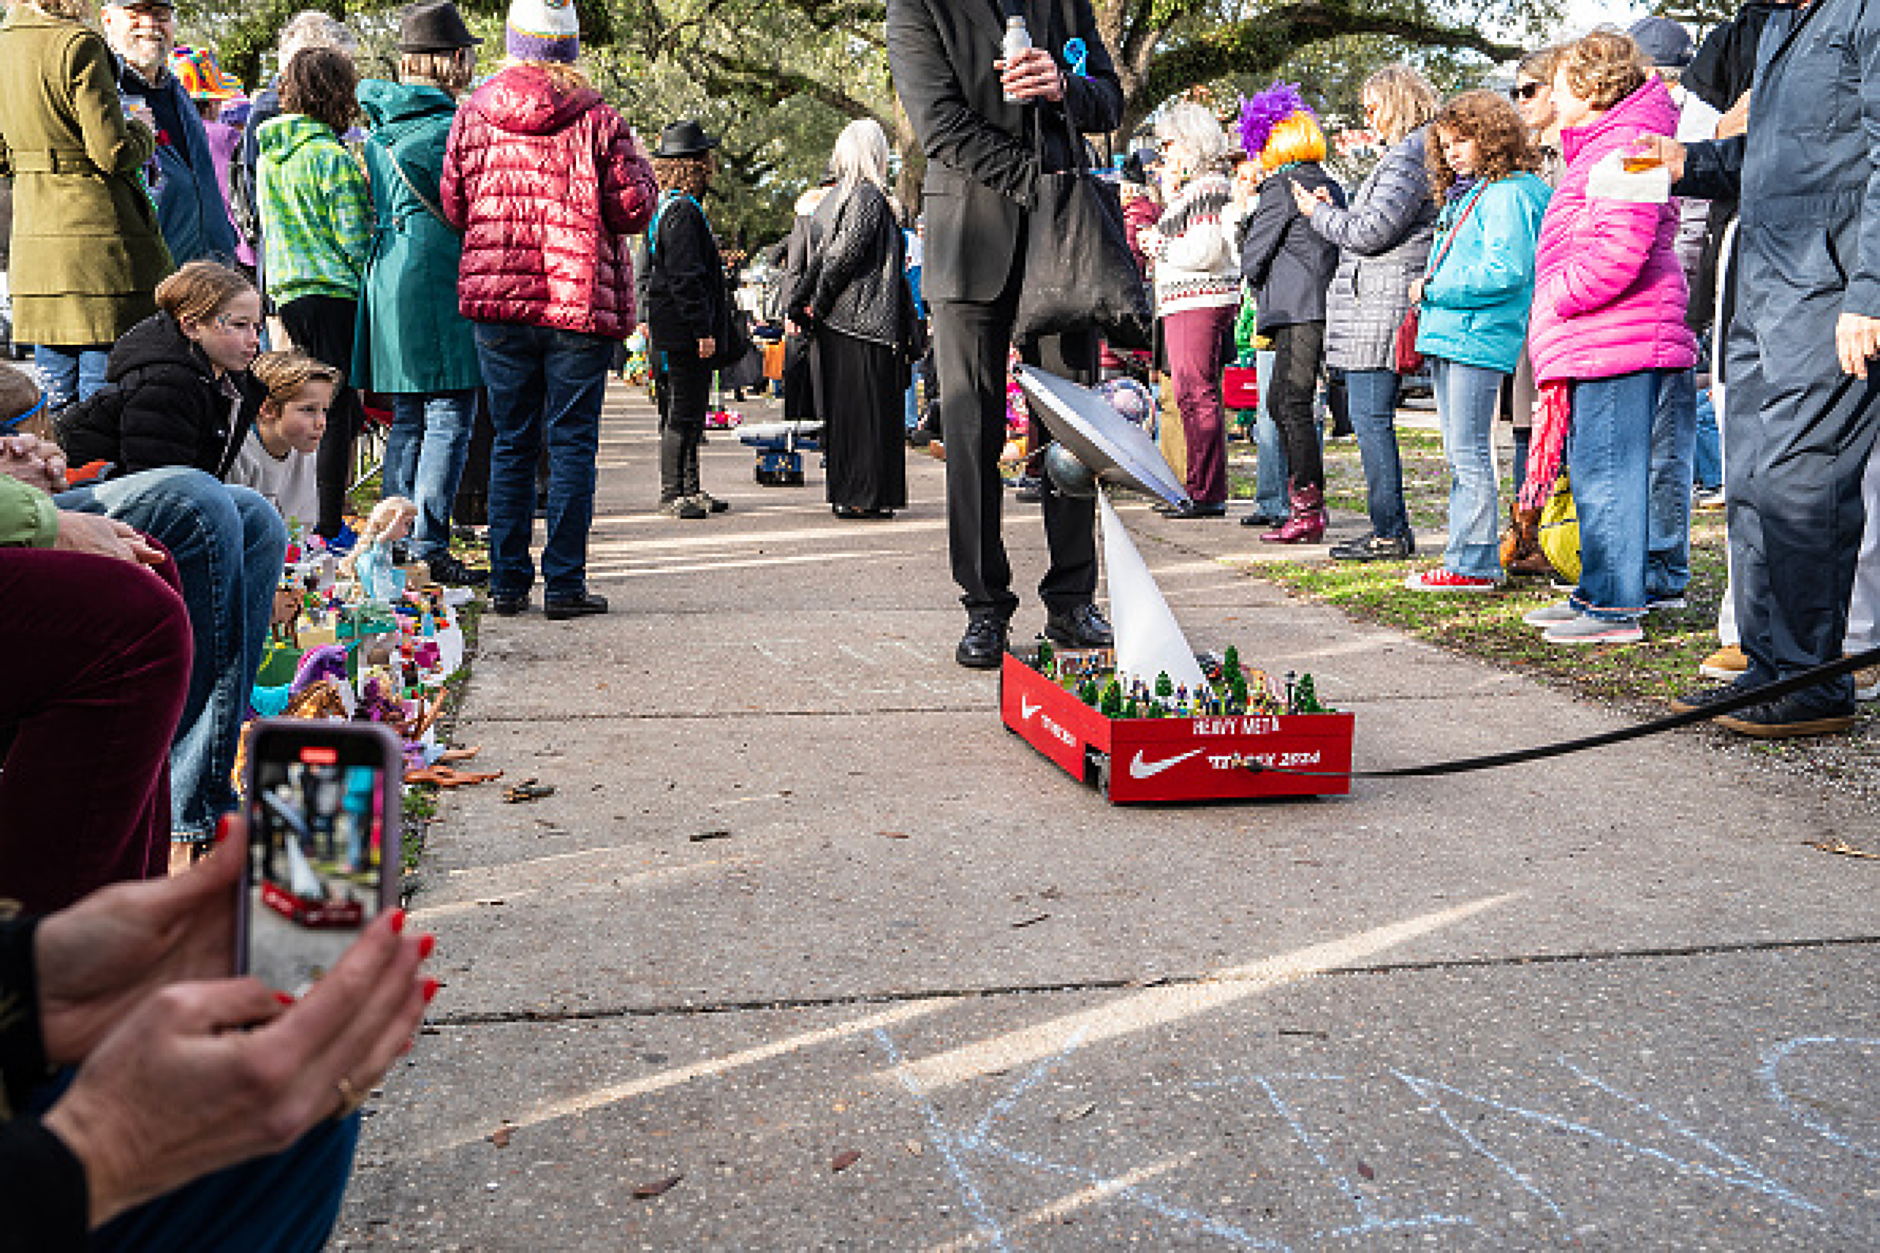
1261,112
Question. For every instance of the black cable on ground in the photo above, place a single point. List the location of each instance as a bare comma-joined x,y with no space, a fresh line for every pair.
1742,700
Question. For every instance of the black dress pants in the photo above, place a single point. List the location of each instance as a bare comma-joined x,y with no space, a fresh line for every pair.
682,388
970,343
1297,351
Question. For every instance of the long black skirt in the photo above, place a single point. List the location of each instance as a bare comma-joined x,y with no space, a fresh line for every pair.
861,398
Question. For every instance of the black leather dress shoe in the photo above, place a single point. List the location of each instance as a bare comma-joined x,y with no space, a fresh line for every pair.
1082,627
561,608
509,606
1193,509
983,645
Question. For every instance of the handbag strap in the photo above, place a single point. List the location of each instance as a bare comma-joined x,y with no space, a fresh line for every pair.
398,168
1454,231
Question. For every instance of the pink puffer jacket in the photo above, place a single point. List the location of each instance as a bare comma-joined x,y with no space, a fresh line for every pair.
1609,296
546,184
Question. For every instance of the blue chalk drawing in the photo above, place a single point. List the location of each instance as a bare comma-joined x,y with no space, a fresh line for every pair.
1771,1077
943,1141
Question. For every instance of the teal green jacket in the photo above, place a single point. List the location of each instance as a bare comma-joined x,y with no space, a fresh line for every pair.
411,336
28,518
1476,296
315,213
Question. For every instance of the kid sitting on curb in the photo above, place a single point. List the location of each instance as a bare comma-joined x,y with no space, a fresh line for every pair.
277,458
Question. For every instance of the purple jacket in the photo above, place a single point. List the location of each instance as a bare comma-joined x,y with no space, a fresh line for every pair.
1609,295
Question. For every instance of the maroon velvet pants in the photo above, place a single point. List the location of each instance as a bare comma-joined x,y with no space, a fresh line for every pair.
1197,342
97,656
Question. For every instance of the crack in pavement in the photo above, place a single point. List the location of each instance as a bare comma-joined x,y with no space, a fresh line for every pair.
687,1009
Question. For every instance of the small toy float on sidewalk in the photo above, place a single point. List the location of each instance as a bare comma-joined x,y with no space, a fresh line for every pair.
1150,720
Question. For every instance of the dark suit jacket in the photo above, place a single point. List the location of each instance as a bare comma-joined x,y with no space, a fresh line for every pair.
980,164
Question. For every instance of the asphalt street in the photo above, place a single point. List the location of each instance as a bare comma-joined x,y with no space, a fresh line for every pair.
807,950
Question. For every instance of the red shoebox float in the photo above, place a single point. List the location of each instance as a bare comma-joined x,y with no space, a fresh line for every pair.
1135,760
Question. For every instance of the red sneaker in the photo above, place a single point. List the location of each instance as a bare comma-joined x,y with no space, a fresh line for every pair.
1443,580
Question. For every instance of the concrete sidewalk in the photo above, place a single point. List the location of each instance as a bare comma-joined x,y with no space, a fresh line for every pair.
800,896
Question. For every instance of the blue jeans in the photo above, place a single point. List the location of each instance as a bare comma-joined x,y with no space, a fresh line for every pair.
1707,457
228,544
1674,433
425,453
1371,400
910,417
1270,469
543,384
68,374
1609,456
1467,399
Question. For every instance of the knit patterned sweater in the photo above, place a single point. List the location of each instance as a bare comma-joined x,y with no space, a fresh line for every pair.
1196,266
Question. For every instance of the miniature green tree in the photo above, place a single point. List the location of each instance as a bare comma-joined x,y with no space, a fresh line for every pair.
1045,653
1087,692
1164,686
1306,697
1237,689
1230,662
1112,703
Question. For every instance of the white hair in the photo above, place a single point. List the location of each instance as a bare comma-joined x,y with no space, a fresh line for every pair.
861,155
1196,129
311,28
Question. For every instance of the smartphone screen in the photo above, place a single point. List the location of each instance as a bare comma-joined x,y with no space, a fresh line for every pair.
323,845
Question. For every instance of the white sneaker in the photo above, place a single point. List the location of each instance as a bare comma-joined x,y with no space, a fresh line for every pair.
1551,615
1585,630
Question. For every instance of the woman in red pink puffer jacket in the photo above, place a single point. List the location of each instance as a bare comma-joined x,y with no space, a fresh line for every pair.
1608,324
547,184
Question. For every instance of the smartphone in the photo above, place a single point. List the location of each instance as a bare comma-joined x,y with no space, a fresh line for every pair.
324,855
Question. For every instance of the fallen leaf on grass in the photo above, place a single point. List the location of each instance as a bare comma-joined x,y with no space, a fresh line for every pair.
843,1160
1842,848
659,1187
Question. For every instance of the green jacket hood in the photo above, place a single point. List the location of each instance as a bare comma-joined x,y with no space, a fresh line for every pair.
388,103
281,137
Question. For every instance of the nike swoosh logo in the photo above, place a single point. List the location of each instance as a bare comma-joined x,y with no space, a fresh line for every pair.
1026,708
1140,769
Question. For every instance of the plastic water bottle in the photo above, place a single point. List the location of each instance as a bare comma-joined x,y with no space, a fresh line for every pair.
1017,40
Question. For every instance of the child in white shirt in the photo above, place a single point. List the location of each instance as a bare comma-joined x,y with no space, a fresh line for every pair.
277,457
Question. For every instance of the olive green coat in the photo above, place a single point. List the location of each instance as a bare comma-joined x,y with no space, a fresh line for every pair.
86,253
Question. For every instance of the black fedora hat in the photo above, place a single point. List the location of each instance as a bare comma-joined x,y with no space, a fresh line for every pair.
434,27
684,138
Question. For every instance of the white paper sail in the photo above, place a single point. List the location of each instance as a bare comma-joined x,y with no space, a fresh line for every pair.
300,876
1149,641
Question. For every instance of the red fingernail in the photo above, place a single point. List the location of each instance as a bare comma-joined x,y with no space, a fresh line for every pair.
426,943
224,827
430,989
283,998
398,921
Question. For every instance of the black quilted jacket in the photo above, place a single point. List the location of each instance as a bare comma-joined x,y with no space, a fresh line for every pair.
859,270
162,406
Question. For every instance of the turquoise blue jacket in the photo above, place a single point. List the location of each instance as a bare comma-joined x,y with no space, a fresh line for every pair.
1476,298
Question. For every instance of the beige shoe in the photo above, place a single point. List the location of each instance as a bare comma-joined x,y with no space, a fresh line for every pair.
1727,663
1867,683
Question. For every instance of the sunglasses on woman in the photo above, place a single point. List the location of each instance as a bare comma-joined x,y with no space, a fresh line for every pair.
1524,91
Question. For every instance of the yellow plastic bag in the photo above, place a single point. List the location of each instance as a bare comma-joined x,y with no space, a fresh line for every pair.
1560,530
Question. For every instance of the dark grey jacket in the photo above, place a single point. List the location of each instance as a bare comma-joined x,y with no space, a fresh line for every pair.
1383,245
1287,263
858,270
